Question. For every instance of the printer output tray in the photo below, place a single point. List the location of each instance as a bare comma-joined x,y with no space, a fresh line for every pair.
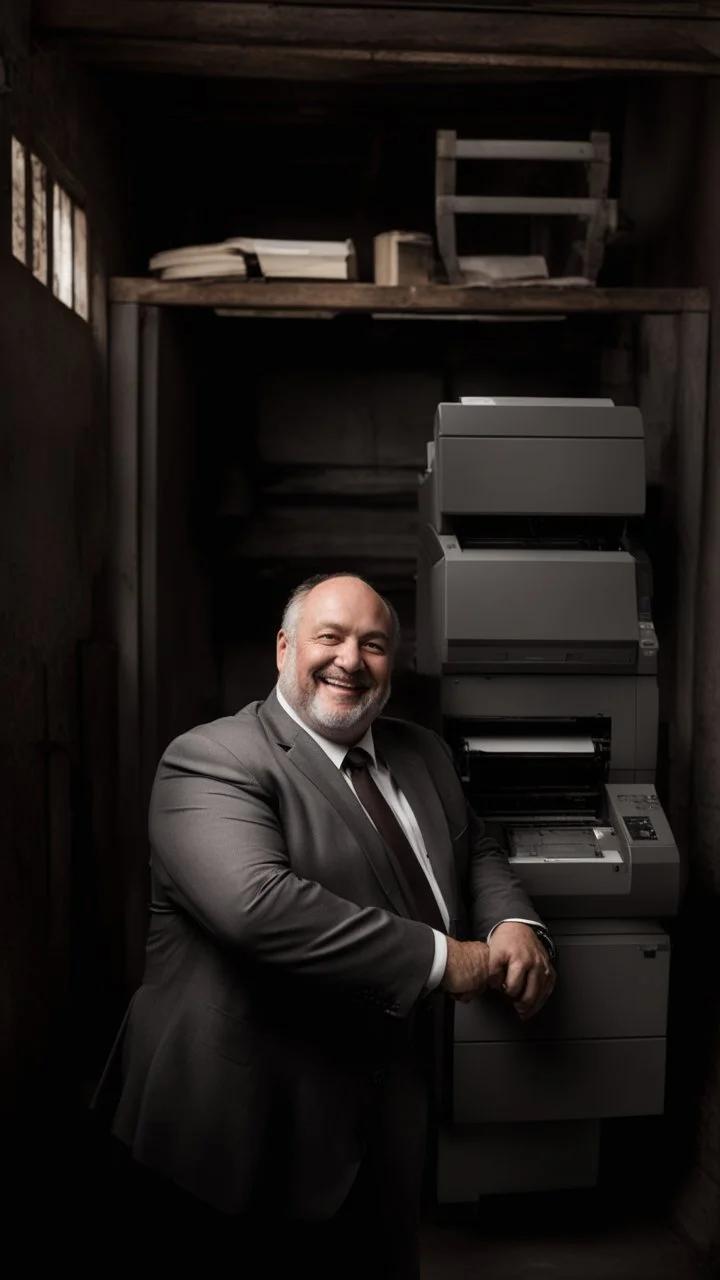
568,858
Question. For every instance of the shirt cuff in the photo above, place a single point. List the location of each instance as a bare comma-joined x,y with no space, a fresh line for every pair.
439,964
513,920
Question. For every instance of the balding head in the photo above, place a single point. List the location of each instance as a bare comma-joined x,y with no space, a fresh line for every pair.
295,603
334,655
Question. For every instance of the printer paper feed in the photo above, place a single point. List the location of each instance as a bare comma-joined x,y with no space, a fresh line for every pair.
551,746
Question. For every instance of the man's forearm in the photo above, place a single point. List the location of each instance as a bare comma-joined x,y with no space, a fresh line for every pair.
466,971
496,891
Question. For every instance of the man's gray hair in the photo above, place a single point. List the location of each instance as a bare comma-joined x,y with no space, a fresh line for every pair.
293,608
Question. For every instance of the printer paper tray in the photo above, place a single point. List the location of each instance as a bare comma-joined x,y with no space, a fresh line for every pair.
570,859
543,840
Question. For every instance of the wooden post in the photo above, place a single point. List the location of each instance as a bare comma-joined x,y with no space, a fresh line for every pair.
689,461
445,180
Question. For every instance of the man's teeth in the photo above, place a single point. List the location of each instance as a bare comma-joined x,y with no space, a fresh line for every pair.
341,684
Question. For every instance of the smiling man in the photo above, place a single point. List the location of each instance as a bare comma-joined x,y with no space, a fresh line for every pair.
316,876
334,656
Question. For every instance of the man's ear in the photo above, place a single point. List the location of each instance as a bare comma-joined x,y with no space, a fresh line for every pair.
281,649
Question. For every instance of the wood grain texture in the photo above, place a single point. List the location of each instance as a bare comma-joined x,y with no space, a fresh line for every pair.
438,299
245,39
285,62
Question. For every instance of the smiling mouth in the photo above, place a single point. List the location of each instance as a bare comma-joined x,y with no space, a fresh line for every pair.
342,686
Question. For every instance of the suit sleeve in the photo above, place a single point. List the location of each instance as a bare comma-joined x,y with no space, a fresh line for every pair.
493,887
223,860
496,893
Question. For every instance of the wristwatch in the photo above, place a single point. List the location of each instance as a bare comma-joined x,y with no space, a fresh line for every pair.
546,940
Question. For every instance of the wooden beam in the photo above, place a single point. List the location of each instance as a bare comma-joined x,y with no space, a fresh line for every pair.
277,62
649,9
598,8
292,296
244,39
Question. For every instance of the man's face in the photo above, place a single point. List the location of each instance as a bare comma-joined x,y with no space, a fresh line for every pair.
335,670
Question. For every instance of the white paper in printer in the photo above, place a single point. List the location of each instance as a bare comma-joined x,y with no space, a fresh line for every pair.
529,746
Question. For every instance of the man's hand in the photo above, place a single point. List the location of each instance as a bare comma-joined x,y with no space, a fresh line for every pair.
466,971
520,966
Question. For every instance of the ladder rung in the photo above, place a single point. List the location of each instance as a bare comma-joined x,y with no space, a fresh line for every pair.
577,206
516,149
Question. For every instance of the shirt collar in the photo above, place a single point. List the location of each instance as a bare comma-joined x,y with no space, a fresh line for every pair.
335,751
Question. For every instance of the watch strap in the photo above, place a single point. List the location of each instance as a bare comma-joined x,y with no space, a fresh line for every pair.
547,941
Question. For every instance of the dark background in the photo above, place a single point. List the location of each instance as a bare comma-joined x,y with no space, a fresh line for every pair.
287,447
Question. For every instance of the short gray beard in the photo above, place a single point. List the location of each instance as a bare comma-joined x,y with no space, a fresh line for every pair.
321,720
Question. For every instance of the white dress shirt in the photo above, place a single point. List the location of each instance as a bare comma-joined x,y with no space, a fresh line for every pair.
336,752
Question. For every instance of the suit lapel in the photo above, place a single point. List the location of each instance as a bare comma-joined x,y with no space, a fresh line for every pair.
322,774
415,781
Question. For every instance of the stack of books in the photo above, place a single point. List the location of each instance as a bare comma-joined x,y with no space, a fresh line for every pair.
244,257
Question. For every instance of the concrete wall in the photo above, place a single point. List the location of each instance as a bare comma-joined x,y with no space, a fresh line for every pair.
56,664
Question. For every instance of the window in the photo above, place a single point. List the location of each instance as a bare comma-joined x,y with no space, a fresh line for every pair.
51,235
39,220
19,201
62,245
81,297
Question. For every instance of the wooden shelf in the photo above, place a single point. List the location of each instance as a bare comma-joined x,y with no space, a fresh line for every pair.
267,297
355,40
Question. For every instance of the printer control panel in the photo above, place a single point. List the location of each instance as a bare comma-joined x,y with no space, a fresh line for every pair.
639,811
640,828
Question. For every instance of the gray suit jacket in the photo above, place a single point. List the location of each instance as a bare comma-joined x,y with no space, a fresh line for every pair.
283,964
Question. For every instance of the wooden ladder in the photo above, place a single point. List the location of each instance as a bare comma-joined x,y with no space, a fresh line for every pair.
599,213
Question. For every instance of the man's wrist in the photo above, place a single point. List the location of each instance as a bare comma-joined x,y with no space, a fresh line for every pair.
547,940
539,929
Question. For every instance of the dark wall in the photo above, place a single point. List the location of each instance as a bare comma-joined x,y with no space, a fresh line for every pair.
56,660
187,666
312,436
672,194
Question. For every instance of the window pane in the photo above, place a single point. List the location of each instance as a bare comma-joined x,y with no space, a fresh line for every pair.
62,246
19,225
80,263
39,220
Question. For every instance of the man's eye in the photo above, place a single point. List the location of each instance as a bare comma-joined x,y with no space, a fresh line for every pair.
327,635
374,644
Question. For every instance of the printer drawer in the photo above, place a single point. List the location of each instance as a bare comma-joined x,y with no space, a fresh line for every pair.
548,1080
611,985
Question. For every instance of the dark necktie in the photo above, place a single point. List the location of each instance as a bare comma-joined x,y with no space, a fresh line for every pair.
356,762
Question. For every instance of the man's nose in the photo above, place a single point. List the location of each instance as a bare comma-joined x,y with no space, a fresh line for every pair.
349,655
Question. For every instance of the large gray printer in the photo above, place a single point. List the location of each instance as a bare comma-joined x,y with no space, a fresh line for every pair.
534,616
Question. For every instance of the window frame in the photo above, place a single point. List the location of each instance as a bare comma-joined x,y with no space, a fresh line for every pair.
56,175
